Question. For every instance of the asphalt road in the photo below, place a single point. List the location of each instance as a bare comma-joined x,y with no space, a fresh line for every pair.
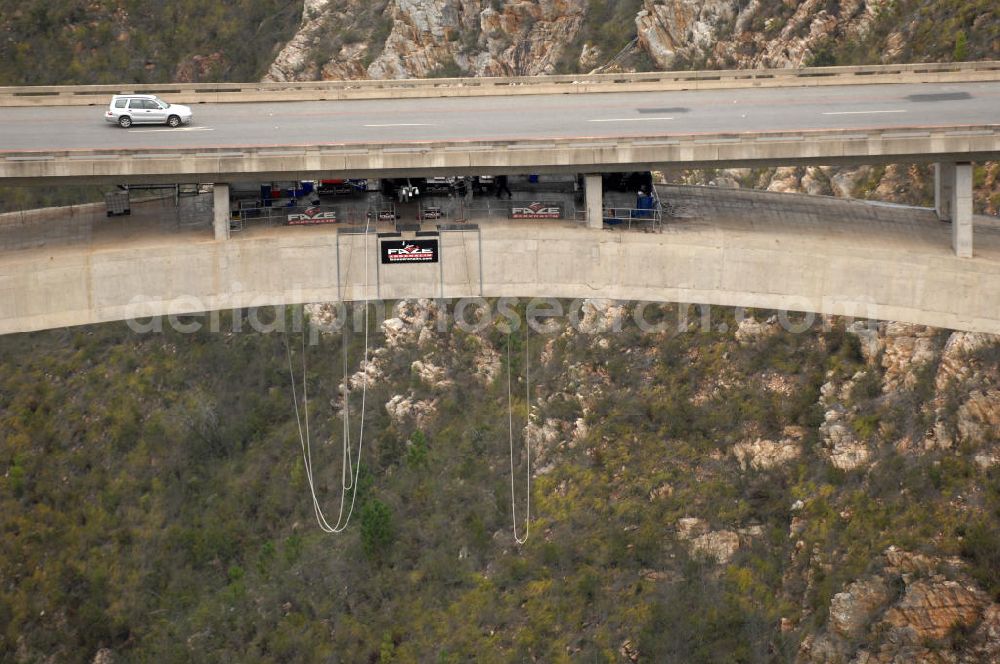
598,116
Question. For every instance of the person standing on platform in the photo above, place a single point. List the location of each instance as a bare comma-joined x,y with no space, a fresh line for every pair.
502,187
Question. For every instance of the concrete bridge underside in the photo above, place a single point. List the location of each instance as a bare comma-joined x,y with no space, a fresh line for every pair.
733,248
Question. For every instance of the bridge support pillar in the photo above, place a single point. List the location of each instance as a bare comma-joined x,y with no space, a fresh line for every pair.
593,185
221,210
961,211
953,202
944,189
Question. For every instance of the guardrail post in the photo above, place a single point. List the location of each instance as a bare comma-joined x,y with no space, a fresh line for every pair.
220,200
961,211
595,200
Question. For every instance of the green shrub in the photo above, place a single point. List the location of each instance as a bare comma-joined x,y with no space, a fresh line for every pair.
376,529
416,451
981,547
961,51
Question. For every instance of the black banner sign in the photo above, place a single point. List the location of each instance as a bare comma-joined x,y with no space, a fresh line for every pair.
536,210
311,215
409,251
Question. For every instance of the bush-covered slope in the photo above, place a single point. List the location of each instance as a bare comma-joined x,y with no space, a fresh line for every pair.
709,496
136,41
921,31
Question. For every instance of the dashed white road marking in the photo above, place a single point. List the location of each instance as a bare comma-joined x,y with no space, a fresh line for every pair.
862,112
629,119
147,131
402,124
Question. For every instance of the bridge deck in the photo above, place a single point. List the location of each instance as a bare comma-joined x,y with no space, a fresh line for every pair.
722,247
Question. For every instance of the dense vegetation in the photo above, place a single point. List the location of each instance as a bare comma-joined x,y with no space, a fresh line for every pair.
74,42
610,27
933,31
153,499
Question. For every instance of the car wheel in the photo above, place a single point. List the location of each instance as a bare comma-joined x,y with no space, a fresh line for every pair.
125,122
174,121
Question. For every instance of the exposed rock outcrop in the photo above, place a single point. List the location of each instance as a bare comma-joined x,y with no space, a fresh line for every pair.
845,451
907,349
765,454
853,609
719,545
432,375
979,418
976,420
750,330
910,613
743,35
348,39
676,28
932,608
404,408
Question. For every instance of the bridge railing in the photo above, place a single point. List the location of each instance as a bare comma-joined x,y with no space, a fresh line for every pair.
535,208
626,218
193,93
249,216
89,223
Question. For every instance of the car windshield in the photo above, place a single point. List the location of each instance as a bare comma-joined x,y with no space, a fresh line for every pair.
159,102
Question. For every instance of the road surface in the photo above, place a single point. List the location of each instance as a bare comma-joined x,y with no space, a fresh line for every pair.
601,116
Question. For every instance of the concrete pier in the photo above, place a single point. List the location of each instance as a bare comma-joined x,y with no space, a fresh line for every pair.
221,211
944,189
953,203
593,184
961,213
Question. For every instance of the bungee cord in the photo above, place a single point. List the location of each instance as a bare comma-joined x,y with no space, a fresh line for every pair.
350,471
527,443
351,464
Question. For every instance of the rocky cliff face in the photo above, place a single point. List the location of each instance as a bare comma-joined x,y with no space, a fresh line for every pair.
406,39
759,33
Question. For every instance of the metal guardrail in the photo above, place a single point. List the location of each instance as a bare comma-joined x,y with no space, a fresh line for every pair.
626,217
82,95
370,212
303,215
501,209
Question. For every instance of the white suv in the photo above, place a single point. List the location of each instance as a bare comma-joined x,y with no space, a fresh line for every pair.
126,110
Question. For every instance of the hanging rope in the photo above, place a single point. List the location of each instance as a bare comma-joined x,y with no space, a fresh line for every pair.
527,443
346,478
349,471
